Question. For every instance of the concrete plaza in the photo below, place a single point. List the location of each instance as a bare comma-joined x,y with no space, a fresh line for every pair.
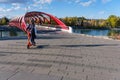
60,56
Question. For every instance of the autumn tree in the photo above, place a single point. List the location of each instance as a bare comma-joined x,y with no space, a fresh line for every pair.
4,21
112,21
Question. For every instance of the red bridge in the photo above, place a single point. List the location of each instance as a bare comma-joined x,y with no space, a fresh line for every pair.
40,18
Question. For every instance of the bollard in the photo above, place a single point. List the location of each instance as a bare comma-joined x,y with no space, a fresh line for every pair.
70,29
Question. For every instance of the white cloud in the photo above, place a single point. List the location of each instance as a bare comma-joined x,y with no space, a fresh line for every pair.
5,10
2,15
105,1
77,1
13,1
81,2
8,10
39,4
42,1
23,5
16,6
2,10
87,3
101,12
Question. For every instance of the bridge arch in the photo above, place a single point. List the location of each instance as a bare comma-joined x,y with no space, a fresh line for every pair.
39,18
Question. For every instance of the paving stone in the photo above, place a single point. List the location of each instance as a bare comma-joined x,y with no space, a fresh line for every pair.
5,75
31,76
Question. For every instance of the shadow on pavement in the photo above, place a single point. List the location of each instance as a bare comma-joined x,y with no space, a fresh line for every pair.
82,45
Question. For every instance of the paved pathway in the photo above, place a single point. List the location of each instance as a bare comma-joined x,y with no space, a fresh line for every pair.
60,56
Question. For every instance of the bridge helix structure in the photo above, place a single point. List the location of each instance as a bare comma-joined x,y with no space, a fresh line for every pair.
40,18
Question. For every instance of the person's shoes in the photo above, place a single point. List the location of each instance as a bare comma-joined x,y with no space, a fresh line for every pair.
34,44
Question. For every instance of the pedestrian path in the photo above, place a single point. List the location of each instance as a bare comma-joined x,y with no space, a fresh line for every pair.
60,56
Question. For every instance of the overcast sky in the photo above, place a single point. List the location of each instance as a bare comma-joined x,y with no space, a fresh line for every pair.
62,8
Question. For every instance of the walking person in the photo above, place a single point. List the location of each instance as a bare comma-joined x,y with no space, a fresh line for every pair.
31,34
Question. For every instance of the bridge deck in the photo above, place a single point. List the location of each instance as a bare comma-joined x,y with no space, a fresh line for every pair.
60,56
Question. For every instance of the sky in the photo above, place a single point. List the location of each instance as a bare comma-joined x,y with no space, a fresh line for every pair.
92,9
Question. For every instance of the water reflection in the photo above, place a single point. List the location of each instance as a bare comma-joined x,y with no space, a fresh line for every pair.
12,33
113,32
97,32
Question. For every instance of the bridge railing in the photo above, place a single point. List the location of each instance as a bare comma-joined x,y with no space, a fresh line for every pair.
55,27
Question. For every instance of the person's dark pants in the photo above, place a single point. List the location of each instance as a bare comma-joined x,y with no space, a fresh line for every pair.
33,39
33,36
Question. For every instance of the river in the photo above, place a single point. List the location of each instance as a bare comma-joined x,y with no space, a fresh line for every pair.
96,32
91,32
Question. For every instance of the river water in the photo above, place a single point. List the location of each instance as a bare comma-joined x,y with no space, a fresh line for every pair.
94,32
11,33
91,32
